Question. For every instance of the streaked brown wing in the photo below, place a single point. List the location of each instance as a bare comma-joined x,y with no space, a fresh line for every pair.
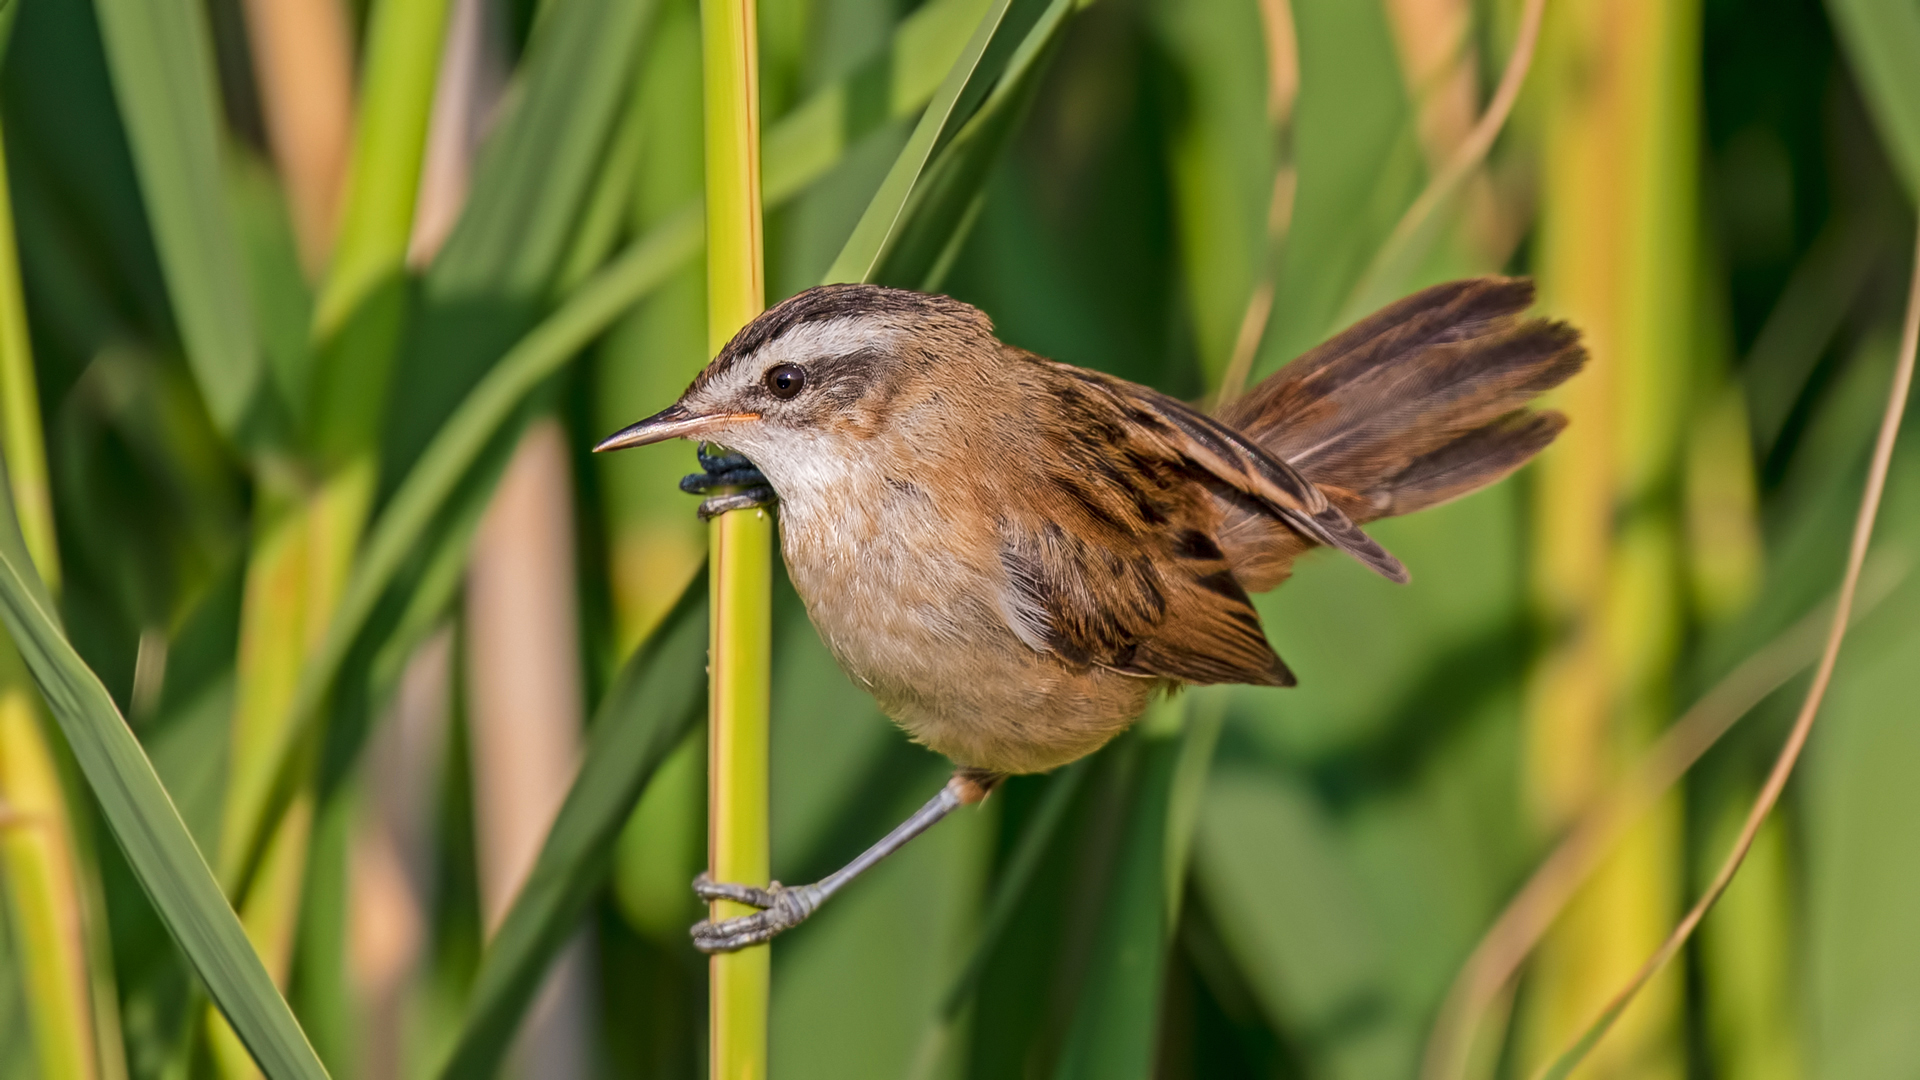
1244,468
1116,565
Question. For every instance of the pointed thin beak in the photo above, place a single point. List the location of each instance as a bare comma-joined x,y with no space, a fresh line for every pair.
672,422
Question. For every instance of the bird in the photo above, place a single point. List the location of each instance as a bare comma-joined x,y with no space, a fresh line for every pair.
1014,555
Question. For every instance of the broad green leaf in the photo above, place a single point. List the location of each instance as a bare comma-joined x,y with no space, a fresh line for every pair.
143,819
1294,917
163,77
658,696
853,989
1882,40
1114,1033
1863,836
1220,159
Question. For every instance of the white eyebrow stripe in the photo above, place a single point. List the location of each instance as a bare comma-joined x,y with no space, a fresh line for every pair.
840,336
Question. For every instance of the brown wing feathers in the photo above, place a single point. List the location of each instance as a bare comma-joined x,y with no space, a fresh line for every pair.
1420,403
1115,565
1178,515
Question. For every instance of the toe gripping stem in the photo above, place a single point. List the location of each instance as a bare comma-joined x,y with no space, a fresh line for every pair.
783,907
727,470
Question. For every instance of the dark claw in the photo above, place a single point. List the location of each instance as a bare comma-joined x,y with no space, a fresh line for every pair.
722,461
727,470
702,482
708,889
736,500
783,909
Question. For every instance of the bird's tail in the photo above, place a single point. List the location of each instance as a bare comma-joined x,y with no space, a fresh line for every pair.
1419,403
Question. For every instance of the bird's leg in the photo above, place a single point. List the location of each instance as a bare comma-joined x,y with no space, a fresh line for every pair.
727,470
782,907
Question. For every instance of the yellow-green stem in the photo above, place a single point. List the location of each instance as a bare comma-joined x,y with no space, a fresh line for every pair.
295,575
1614,255
741,545
37,851
44,893
362,305
390,139
23,442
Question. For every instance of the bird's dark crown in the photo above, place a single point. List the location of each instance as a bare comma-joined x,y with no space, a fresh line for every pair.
824,303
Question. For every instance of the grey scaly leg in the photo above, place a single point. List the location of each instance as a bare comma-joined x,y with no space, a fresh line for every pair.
783,907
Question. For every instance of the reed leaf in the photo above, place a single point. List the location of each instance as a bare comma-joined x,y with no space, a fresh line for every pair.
1882,40
361,309
142,817
161,60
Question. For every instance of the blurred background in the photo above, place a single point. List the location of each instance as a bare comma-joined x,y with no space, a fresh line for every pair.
263,262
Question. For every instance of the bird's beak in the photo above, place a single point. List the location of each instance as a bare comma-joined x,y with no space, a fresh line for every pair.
672,422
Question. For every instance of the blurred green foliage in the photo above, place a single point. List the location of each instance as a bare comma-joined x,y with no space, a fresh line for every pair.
1255,882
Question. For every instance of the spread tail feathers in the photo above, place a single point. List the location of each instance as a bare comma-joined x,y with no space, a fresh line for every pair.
1419,403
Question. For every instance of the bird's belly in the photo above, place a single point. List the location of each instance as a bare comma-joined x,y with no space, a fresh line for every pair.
921,632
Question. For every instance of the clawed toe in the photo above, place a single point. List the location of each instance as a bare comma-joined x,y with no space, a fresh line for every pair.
731,935
710,890
782,909
745,499
747,487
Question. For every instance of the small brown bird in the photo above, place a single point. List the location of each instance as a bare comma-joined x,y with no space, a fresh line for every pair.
1014,555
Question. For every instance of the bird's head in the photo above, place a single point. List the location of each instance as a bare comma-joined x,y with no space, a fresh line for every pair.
800,388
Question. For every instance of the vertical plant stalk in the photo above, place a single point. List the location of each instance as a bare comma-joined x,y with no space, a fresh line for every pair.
296,572
43,892
21,437
740,547
309,527
1809,707
1615,256
303,66
38,854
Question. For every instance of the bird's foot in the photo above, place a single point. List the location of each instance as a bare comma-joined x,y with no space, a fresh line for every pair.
781,908
727,470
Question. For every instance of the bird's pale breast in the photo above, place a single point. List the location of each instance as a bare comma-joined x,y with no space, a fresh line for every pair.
907,601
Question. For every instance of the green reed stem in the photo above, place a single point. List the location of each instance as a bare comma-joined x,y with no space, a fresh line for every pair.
741,546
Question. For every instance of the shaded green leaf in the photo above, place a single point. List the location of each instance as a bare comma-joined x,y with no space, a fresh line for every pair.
496,275
1882,39
966,83
1115,1029
1359,167
949,196
162,65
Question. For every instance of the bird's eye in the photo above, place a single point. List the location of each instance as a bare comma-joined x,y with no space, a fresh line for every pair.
786,380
